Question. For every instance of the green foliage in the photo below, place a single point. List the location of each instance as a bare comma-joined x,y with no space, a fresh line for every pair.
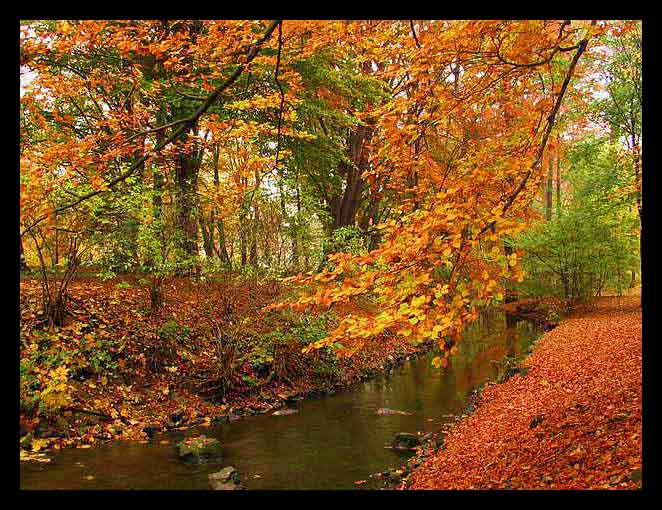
29,385
310,328
250,381
347,239
53,358
327,365
292,330
621,109
591,245
173,331
260,359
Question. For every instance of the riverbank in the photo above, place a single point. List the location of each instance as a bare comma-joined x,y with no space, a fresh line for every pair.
573,421
131,374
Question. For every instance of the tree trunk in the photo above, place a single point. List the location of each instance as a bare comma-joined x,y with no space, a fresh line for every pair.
222,250
637,177
548,188
558,187
242,240
187,164
207,237
344,208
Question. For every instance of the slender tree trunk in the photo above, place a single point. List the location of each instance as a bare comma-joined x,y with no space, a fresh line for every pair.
222,250
297,242
242,240
56,257
637,176
222,245
548,188
207,237
558,186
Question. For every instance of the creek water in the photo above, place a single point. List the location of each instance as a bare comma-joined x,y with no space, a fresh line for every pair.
330,443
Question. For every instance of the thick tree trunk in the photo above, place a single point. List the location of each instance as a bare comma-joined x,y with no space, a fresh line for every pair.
345,207
369,218
187,164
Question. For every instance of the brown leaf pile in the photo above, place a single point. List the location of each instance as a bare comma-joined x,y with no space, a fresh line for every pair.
119,403
572,422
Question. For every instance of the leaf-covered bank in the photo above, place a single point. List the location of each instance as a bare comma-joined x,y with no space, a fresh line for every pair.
572,422
116,371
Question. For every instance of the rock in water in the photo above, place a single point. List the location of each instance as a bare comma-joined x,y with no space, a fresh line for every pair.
227,479
227,474
285,412
384,411
404,440
199,450
549,325
394,476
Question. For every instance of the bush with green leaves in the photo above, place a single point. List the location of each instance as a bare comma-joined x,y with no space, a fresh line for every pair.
347,239
591,244
291,332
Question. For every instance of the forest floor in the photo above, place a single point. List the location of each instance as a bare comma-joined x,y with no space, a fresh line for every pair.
131,373
573,421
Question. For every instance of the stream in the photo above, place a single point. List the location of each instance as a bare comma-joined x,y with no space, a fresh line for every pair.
330,443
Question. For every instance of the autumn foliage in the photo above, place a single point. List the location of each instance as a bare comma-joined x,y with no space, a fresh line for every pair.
385,170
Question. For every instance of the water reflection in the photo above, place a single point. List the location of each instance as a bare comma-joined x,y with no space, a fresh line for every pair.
331,443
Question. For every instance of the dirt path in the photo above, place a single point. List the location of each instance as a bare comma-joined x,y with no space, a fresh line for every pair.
572,422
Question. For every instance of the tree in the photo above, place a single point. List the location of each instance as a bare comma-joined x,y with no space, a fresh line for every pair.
591,245
621,109
463,183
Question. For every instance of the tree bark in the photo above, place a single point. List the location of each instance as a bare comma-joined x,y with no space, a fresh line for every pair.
548,188
345,207
558,185
187,165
